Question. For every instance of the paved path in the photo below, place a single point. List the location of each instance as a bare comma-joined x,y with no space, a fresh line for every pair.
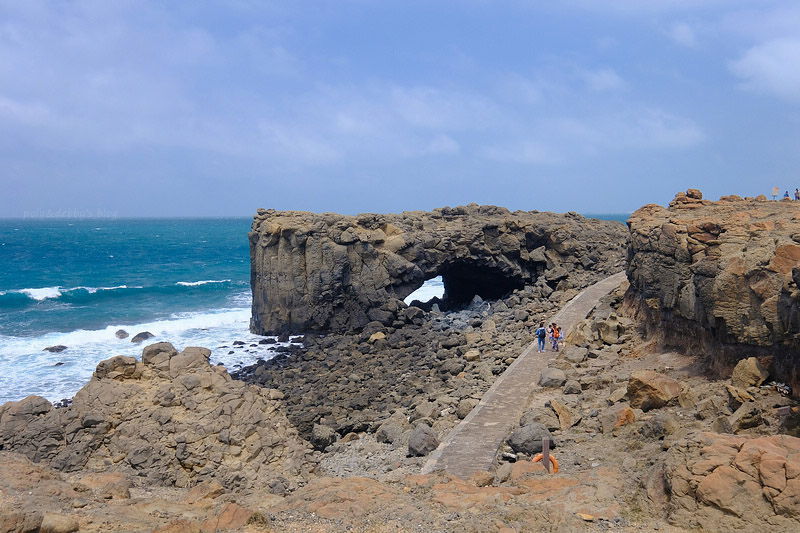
472,445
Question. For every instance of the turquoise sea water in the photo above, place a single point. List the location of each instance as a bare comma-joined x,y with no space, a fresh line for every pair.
75,282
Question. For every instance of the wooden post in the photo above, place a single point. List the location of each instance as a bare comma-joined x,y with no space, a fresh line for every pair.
546,454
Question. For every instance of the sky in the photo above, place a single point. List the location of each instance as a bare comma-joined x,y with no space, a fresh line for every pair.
200,108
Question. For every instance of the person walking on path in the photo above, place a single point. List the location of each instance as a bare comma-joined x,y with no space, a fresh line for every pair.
556,336
541,335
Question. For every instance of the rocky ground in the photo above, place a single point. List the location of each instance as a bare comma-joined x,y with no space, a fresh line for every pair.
643,439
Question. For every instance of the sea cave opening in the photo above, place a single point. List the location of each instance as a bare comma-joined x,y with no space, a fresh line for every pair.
456,285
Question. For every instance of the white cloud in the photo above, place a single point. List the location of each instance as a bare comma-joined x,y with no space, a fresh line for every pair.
443,145
771,67
656,128
23,112
527,151
604,79
683,34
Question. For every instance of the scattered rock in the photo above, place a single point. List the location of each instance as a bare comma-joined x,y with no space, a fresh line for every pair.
566,418
749,373
143,336
322,437
528,439
747,416
58,523
736,397
650,390
552,377
423,440
572,387
388,433
616,417
465,407
121,334
55,349
481,478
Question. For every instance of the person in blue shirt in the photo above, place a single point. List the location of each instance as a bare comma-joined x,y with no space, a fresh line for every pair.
541,335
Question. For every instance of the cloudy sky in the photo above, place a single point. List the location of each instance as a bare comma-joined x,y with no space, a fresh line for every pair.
201,108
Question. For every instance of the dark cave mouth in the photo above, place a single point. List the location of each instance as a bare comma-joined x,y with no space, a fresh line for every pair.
463,281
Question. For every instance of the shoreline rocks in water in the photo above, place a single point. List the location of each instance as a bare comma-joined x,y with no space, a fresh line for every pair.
55,349
141,337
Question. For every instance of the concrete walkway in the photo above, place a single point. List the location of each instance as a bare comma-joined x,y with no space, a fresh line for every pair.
472,445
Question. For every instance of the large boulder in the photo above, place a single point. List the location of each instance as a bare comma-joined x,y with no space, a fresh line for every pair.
552,377
423,440
648,389
528,439
329,272
749,372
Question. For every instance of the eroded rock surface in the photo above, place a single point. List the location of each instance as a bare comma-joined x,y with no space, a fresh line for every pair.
722,276
171,418
329,272
725,482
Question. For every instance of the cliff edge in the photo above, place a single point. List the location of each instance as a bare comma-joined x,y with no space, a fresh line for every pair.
721,277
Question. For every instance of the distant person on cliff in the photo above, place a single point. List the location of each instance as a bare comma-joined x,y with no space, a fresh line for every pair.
541,335
786,194
796,194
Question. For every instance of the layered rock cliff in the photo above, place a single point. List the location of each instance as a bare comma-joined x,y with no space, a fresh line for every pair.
329,272
721,276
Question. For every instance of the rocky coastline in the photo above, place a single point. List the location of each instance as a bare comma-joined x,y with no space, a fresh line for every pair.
332,434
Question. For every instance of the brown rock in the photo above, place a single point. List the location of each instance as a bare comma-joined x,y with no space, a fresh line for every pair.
736,397
481,479
193,422
58,523
748,373
566,418
722,275
747,416
725,483
616,417
231,517
650,390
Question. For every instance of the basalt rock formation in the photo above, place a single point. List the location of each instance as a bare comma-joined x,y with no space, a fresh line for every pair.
170,418
336,273
722,277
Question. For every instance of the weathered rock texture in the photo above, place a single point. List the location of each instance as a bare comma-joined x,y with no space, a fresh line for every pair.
725,482
171,418
721,276
329,272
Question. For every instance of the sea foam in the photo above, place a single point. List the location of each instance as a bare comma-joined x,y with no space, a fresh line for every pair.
60,375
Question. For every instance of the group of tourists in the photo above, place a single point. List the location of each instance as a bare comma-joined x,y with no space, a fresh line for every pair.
796,194
551,332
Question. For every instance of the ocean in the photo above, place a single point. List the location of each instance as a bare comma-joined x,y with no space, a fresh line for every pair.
75,282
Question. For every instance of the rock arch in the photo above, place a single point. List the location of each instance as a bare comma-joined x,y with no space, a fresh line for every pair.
327,272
